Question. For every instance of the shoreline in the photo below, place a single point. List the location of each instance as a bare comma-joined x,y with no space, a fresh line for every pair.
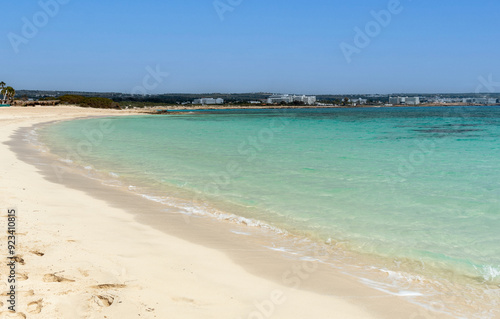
173,108
116,209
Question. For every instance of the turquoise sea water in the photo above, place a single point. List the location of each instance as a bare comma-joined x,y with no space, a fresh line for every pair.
406,184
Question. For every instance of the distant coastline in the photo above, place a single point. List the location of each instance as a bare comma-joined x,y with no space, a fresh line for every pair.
257,100
172,108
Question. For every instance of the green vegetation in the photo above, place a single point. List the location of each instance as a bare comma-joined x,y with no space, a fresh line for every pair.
100,103
132,104
94,102
46,98
72,99
8,93
183,98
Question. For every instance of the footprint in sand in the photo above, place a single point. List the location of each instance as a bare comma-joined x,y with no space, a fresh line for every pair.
36,252
22,277
18,260
85,273
55,278
35,306
103,300
109,286
182,299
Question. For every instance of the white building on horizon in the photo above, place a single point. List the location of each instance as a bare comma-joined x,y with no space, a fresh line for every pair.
287,98
278,98
480,100
412,100
404,100
359,101
208,101
394,100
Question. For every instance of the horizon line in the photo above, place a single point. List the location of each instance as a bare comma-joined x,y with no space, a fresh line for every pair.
261,92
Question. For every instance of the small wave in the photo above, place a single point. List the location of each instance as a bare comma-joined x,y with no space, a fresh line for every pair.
152,198
311,259
400,277
282,250
389,289
190,208
489,273
240,233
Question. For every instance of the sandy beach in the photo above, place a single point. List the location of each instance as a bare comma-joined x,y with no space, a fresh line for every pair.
92,251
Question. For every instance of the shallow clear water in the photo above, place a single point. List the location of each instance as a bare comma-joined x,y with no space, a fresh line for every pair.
409,184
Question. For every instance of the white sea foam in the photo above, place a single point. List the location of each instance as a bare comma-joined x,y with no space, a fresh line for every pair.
210,212
389,289
240,233
152,198
308,258
400,276
489,273
283,250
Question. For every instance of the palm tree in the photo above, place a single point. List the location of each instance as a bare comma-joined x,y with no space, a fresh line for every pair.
11,93
2,88
8,94
4,93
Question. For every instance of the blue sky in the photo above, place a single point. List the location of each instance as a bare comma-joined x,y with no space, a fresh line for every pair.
286,46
